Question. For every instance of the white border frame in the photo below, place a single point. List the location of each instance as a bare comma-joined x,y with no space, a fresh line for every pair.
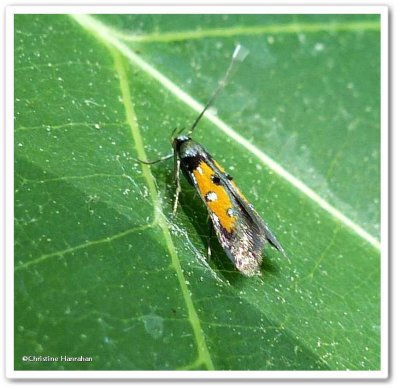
185,9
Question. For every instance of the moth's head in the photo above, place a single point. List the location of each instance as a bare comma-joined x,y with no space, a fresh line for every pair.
178,141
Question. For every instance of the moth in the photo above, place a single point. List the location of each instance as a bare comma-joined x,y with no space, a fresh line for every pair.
240,230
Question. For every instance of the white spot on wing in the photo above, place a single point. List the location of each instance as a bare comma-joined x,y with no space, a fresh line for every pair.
211,196
231,212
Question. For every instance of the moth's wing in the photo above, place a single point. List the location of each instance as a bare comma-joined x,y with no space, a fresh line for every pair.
240,230
247,208
241,239
251,230
270,237
244,245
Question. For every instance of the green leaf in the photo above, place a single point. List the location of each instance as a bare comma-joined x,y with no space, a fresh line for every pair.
103,269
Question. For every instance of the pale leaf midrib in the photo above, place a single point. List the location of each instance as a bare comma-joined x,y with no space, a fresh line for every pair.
202,349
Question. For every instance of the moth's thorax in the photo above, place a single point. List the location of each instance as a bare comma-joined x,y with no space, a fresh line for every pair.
177,142
185,146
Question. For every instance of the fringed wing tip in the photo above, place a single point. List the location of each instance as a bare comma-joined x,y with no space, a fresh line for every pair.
273,241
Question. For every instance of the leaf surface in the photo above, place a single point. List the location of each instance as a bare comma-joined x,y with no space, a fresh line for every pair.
103,269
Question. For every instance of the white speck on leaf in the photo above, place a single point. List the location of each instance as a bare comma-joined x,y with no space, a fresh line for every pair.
319,46
154,325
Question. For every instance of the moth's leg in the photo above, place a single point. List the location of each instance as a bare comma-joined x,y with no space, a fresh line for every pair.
210,225
167,157
177,165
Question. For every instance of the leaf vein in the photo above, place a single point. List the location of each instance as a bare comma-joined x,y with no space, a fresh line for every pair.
289,28
66,125
131,118
85,245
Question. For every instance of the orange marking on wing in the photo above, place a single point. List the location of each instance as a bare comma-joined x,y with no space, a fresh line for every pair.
219,206
231,181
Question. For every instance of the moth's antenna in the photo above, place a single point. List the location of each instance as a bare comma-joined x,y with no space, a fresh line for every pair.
239,54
